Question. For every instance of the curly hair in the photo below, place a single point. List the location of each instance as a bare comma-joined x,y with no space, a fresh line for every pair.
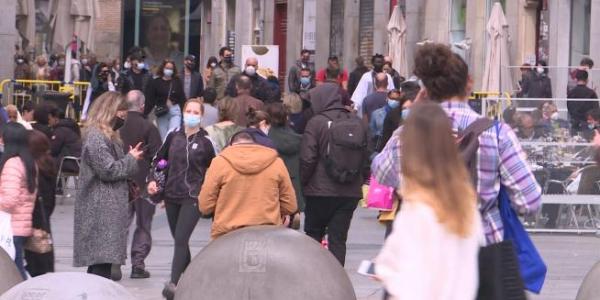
444,73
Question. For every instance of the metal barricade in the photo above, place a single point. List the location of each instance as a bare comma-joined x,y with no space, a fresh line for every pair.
68,96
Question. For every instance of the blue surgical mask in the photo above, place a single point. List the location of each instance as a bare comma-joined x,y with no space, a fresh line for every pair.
305,80
405,113
393,103
591,126
191,121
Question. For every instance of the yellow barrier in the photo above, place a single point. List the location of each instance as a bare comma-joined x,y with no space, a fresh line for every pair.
493,103
18,91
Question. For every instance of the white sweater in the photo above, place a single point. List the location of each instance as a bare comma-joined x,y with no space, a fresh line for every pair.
422,260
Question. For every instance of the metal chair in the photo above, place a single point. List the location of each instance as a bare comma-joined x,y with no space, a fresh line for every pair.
62,178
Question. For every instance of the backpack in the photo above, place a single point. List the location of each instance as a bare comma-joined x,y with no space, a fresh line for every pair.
347,142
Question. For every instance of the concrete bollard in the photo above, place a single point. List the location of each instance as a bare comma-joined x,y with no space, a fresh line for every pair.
67,285
264,262
9,274
590,289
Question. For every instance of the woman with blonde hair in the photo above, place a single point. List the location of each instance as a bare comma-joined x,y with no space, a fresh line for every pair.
101,205
295,106
41,69
432,252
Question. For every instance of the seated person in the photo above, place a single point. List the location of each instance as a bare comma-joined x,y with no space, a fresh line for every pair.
551,119
65,141
527,129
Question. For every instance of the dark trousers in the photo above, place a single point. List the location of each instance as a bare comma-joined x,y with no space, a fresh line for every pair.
141,243
39,263
102,270
19,242
331,216
182,221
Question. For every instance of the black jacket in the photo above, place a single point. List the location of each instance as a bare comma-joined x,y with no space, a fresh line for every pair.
261,89
139,130
196,84
66,141
188,159
157,93
355,77
287,143
131,81
579,109
326,105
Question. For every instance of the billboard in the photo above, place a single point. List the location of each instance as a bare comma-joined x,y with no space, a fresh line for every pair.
267,56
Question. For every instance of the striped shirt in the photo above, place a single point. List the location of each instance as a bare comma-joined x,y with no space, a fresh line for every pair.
500,160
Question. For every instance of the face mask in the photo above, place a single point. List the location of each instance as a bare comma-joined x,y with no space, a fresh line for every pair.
591,126
61,62
305,80
141,66
393,103
213,65
228,59
250,71
1,148
117,123
405,113
168,72
190,66
191,121
554,116
265,130
540,70
85,61
20,61
127,65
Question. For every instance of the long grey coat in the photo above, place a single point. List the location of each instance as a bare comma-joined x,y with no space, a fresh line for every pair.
101,204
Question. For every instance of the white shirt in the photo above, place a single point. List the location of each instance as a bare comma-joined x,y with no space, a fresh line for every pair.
366,87
422,260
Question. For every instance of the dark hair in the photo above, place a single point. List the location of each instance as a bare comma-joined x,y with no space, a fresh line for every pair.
305,70
209,95
101,66
444,73
377,56
409,91
39,145
304,51
254,117
28,106
278,114
223,49
242,135
136,52
586,61
581,75
360,61
594,114
161,68
332,57
43,110
243,82
16,144
228,110
211,60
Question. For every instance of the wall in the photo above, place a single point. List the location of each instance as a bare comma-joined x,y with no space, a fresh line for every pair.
8,37
108,30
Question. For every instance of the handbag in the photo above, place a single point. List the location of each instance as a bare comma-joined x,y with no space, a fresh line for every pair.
162,109
41,240
379,196
532,266
6,234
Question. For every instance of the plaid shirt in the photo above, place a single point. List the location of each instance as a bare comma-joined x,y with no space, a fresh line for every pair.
500,160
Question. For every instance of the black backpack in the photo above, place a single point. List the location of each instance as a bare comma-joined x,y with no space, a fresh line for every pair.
347,143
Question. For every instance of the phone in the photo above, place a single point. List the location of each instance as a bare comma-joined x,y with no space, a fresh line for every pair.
367,268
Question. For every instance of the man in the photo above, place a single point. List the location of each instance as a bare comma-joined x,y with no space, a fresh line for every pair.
377,99
193,84
223,73
211,113
136,77
246,185
137,130
528,130
333,70
585,64
88,63
366,84
356,74
244,100
578,109
398,79
306,84
261,88
333,154
294,73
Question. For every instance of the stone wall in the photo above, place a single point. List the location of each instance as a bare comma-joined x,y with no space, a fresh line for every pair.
108,30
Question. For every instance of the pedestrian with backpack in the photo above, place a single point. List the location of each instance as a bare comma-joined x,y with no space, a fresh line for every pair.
333,160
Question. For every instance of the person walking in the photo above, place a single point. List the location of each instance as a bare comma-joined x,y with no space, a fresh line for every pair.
220,133
366,85
377,99
579,109
259,126
100,216
538,86
211,112
333,70
439,211
188,153
394,118
211,64
332,160
261,88
294,75
164,97
356,74
244,101
136,130
246,185
18,186
136,77
223,72
193,84
294,106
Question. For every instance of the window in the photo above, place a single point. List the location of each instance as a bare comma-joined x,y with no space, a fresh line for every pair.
580,29
458,21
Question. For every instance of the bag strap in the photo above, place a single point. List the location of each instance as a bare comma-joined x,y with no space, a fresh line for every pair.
43,212
477,127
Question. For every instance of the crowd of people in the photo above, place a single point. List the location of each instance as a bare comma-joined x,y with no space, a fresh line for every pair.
226,144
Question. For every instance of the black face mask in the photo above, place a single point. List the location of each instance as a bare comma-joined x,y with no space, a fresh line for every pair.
228,59
117,123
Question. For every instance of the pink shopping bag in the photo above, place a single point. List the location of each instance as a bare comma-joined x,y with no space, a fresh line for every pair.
379,196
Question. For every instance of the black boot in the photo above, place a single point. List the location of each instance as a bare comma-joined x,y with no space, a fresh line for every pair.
139,273
115,272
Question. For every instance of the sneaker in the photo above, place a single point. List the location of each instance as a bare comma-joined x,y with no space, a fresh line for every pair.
115,272
139,273
169,291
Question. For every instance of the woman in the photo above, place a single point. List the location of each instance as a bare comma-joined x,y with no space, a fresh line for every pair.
159,44
18,186
165,96
221,133
41,69
287,143
45,116
439,211
42,263
211,64
259,125
294,105
100,224
188,153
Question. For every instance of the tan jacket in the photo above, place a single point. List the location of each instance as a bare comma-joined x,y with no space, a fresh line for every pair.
246,185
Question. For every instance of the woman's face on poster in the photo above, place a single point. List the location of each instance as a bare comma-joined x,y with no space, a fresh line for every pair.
158,33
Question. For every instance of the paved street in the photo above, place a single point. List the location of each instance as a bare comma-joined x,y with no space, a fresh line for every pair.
569,257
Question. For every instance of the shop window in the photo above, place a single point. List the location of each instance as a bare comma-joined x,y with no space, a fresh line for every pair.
580,29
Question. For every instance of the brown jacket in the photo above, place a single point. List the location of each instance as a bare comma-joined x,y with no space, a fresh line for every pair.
243,104
246,185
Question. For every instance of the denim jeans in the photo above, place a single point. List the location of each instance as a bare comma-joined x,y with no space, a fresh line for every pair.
19,242
169,121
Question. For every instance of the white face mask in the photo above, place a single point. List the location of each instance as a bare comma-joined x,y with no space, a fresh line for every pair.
168,72
127,65
540,70
213,65
554,116
84,61
250,70
141,66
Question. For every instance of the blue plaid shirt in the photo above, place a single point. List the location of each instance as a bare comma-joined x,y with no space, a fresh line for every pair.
500,160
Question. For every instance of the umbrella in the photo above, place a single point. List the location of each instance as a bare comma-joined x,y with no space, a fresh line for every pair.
397,41
26,21
497,77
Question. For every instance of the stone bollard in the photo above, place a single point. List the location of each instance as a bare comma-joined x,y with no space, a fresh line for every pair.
9,274
264,262
67,285
590,289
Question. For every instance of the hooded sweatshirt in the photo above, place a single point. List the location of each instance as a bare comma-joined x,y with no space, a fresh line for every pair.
246,185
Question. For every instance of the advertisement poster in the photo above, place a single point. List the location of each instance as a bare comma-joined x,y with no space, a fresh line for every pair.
309,26
268,58
162,31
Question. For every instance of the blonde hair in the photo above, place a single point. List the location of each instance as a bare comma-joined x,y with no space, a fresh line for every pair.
195,100
102,113
293,103
430,163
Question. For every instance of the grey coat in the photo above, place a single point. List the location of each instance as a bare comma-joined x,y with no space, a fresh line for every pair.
101,204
